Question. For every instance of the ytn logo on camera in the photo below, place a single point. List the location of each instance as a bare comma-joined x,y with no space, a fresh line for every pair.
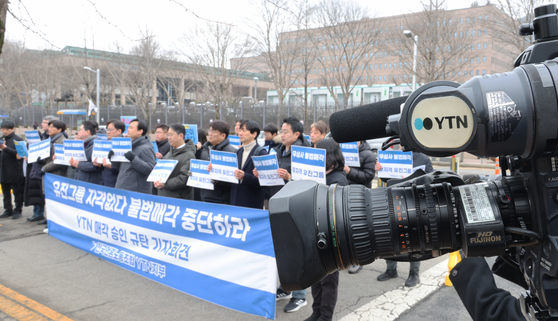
448,122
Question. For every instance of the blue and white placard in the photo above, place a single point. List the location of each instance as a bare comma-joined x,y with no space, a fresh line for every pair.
234,141
395,164
162,170
218,253
223,166
308,163
60,159
350,153
21,148
40,149
267,167
101,148
120,145
191,132
74,149
102,136
155,147
32,136
307,137
199,175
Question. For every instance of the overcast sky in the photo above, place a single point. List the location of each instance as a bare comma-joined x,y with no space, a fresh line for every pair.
99,24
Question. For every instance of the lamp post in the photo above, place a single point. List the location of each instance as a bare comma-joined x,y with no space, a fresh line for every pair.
255,90
98,71
409,34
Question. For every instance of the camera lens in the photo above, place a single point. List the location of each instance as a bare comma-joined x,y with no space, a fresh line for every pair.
319,229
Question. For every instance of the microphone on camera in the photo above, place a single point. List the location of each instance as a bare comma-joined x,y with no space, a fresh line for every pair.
364,122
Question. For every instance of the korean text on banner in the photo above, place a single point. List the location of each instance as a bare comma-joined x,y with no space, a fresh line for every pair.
234,141
199,175
74,149
162,170
267,167
223,166
308,163
32,136
350,153
59,153
40,149
191,133
121,145
21,148
395,164
101,148
222,254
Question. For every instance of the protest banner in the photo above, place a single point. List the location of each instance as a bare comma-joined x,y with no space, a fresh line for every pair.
101,148
21,148
200,176
234,141
126,120
223,166
121,145
40,149
102,136
218,253
74,149
191,132
267,167
155,147
350,153
395,164
162,170
308,163
32,136
60,159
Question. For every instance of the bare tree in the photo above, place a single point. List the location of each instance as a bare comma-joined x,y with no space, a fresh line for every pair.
3,13
344,44
444,46
209,48
273,28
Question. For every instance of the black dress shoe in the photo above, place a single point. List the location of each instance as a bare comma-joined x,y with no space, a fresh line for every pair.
35,218
6,214
16,216
412,280
42,222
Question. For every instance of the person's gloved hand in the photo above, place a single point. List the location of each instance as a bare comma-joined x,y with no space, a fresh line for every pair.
110,154
130,155
40,161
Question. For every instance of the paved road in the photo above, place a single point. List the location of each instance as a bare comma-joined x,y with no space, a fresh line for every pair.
83,287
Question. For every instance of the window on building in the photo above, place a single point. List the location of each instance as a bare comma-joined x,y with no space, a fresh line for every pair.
484,59
478,46
477,72
389,65
478,60
483,72
467,20
471,73
461,20
485,32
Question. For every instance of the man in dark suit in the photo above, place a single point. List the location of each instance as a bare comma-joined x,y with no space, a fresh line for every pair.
248,192
11,172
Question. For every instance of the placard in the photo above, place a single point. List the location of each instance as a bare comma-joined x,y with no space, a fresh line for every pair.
191,133
74,149
21,148
267,167
60,159
40,149
101,148
350,153
32,136
120,146
162,170
308,163
395,164
234,141
102,136
155,147
223,166
199,175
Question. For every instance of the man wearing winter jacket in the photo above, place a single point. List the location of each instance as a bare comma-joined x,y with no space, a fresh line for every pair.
115,128
183,152
132,175
217,139
11,172
86,171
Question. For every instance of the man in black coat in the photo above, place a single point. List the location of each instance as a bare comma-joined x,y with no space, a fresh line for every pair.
11,172
248,192
162,141
217,139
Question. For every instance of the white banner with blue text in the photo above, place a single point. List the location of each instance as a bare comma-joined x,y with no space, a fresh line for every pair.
395,164
308,163
120,146
218,253
199,175
350,153
40,149
32,136
267,167
74,149
223,165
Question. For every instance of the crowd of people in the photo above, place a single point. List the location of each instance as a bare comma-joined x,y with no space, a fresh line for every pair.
25,180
